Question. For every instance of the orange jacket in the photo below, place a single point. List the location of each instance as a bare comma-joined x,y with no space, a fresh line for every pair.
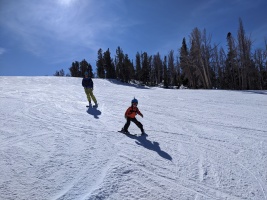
132,112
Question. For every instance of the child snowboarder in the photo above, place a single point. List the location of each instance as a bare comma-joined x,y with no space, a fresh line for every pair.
130,114
88,85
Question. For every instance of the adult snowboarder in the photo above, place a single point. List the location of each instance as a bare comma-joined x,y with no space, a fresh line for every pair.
88,85
130,114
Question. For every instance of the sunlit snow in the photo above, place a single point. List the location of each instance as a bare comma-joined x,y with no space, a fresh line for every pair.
199,144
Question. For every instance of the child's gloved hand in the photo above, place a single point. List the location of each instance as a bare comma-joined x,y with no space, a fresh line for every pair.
142,116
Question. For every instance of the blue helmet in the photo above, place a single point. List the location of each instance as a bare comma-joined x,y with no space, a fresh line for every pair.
135,101
86,73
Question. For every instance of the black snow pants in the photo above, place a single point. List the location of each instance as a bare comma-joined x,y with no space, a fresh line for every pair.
134,120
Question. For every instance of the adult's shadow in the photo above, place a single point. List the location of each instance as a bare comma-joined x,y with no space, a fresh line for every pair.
93,111
153,146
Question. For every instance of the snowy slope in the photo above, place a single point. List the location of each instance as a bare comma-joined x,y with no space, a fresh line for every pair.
200,144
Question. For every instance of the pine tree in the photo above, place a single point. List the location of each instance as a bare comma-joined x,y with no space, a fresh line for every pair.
158,66
61,72
84,66
171,68
166,73
145,68
187,72
57,73
215,65
138,67
178,80
109,65
75,69
119,63
260,57
231,70
90,70
100,64
127,69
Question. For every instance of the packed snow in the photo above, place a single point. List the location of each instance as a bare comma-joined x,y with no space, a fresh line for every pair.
199,144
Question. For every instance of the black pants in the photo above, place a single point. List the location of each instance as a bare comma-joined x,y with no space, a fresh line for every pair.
134,120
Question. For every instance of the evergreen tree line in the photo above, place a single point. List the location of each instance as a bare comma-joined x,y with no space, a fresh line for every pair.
199,64
78,69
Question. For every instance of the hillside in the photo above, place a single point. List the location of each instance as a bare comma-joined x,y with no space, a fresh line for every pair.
199,144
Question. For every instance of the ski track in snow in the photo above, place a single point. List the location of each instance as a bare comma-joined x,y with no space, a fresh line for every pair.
200,144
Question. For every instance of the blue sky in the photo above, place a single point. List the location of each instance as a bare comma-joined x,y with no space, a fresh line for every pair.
39,37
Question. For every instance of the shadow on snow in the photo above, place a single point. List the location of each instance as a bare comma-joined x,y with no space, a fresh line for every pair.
93,111
115,81
153,146
264,92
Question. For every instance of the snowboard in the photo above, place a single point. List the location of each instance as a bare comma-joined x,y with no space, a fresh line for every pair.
90,106
127,133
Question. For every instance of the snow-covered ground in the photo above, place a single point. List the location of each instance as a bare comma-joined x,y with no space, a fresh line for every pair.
199,144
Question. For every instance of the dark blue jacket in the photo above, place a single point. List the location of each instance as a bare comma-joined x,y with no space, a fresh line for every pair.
88,83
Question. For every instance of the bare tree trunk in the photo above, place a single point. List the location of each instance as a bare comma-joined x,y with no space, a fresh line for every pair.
201,53
244,48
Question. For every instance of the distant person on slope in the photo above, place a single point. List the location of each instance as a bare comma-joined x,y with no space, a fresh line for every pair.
88,89
130,114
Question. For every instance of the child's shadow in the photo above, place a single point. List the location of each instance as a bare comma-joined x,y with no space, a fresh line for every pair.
154,146
93,111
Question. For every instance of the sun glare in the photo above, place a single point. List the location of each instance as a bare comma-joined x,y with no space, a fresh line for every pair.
66,2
